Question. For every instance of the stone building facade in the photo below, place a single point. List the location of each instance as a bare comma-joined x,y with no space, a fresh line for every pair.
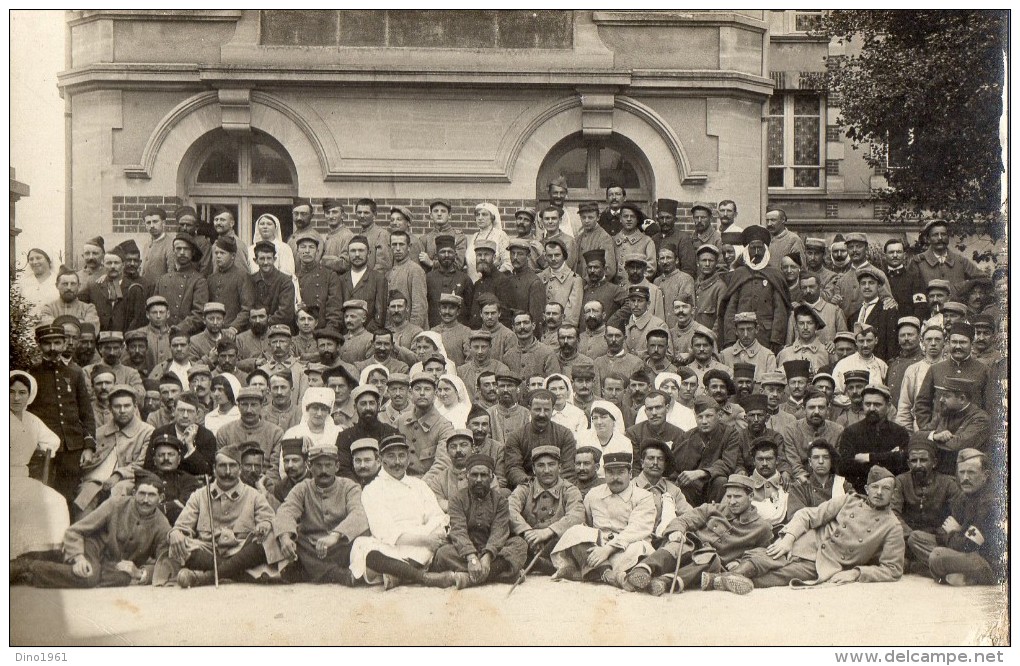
252,108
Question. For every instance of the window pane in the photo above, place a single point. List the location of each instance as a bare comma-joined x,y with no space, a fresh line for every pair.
806,178
776,105
776,177
805,105
615,169
535,29
806,141
808,21
438,28
574,167
219,167
776,141
299,28
268,167
363,27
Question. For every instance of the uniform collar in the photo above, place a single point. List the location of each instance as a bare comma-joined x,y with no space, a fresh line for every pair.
233,494
426,422
537,490
130,430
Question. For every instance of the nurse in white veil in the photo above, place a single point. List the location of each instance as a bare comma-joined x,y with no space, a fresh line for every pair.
267,228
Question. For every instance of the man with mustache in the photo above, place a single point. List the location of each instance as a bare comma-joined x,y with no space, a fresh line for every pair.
92,253
167,453
508,416
757,287
253,348
592,342
446,277
784,241
318,522
159,252
933,341
68,288
598,287
295,470
592,237
962,365
617,358
367,403
971,543
274,290
185,289
439,211
939,262
481,548
253,427
798,436
525,292
960,425
237,523
540,431
706,455
822,483
119,302
921,501
448,480
814,266
874,440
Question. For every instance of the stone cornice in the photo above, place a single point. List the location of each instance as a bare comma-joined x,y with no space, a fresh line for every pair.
195,15
640,19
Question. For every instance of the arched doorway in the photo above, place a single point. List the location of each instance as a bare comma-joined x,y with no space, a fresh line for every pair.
592,165
249,173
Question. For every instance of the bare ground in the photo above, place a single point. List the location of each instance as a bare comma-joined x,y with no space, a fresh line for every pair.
912,612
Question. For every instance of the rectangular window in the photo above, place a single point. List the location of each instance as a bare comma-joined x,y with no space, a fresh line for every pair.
807,21
795,145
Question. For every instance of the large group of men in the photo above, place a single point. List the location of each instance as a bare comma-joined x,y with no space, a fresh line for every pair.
795,411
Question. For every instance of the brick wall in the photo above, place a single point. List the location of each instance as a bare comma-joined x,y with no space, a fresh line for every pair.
127,211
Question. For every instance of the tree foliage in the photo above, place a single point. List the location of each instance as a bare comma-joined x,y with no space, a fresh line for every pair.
929,83
24,352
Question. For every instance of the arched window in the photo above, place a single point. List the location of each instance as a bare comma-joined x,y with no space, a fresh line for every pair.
250,173
590,166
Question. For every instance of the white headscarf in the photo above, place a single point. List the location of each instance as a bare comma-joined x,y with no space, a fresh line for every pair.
437,340
33,388
604,405
457,415
496,234
369,369
322,396
284,256
572,417
618,442
745,254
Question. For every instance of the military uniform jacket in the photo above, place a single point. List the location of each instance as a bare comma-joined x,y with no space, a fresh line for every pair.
320,287
439,282
971,428
159,344
716,453
596,239
380,257
533,359
158,259
198,462
923,508
187,292
798,435
80,310
455,339
426,435
371,289
757,355
275,293
62,403
520,443
335,255
409,279
479,526
708,293
233,288
313,512
983,511
729,535
884,320
835,322
123,534
909,289
847,533
535,507
927,411
521,292
120,308
897,367
563,286
954,267
636,242
885,443
674,286
763,292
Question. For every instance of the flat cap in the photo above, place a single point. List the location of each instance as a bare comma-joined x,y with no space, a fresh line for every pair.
856,376
856,237
462,433
196,251
486,246
955,306
131,336
250,393
559,243
440,202
323,451
635,258
315,368
199,369
639,291
109,336
328,333
213,306
265,246
746,318
702,205
939,283
739,481
307,235
774,378
422,377
156,300
398,378
983,321
818,243
363,389
545,450
121,389
872,272
845,335
708,247
365,443
707,333
404,211
705,402
167,439
879,389
908,321
451,299
588,207
392,440
617,459
355,304
823,375
480,335
277,330
519,244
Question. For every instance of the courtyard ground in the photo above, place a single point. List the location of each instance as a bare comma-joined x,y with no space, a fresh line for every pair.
912,612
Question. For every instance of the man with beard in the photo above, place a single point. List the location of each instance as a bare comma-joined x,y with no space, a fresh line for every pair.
408,278
747,348
480,523
674,284
921,501
743,379
709,288
447,277
398,405
119,302
455,335
620,519
525,292
705,233
450,479
424,428
368,426
905,282
231,286
337,237
592,238
756,287
318,522
167,452
301,213
170,387
822,483
479,422
201,345
568,356
318,286
970,546
253,427
598,287
630,240
959,425
365,460
111,349
755,416
491,313
814,266
562,285
609,219
185,289
932,344
837,542
226,360
274,290
107,548
531,357
587,460
508,416
492,281
939,262
253,348
961,365
328,341
407,525
986,342
707,455
159,252
283,412
68,304
797,437
383,353
102,383
524,219
295,469
592,341
84,351
187,223
238,522
873,440
547,506
136,355
439,211
805,323
705,540
849,285
668,235
908,330
617,357
396,320
539,431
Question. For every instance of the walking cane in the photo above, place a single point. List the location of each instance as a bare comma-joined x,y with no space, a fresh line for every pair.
676,571
212,532
527,569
